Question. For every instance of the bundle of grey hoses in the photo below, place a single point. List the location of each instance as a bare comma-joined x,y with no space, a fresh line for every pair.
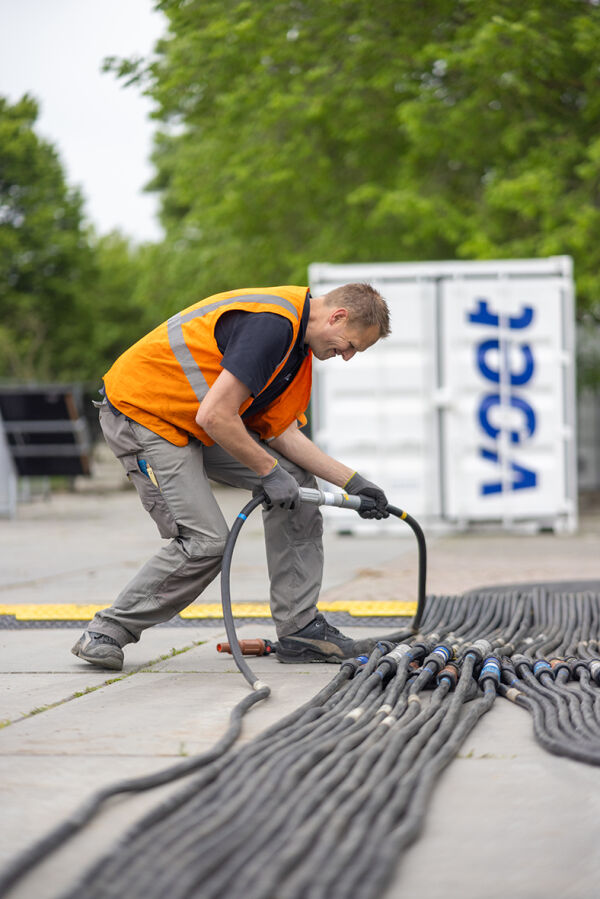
324,802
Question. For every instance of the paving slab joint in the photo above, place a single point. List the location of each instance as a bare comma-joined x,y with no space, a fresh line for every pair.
140,669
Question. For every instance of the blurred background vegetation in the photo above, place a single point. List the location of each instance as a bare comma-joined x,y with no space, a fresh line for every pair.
295,131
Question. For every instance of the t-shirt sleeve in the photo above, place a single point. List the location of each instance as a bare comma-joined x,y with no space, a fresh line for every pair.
253,345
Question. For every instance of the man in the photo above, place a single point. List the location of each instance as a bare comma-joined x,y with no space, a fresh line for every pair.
220,391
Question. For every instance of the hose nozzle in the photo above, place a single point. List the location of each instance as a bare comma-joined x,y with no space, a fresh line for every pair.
255,647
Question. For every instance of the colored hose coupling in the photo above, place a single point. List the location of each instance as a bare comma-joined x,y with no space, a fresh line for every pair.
250,647
541,666
449,673
353,664
490,670
437,659
559,665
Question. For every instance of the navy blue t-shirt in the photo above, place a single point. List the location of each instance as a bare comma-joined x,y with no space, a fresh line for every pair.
253,345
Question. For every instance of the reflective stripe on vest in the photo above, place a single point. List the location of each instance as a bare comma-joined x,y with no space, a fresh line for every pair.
180,348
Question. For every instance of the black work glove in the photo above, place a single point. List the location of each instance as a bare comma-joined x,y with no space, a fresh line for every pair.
280,487
359,486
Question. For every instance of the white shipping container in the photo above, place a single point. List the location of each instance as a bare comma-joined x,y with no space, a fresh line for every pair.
466,413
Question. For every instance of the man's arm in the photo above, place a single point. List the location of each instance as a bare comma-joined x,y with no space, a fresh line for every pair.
298,448
218,415
294,445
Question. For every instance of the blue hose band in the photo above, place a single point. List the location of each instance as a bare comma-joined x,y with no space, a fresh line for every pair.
242,516
542,666
491,669
443,651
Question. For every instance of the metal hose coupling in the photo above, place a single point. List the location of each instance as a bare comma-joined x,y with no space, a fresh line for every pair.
523,664
508,669
477,650
421,648
392,659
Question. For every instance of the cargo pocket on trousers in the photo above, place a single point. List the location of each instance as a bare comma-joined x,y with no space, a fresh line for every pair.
151,498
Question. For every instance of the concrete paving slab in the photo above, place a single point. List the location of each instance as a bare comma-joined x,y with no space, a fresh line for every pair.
182,701
38,668
28,694
506,817
43,792
49,649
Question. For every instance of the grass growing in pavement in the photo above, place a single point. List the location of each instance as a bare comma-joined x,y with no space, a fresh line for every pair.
106,683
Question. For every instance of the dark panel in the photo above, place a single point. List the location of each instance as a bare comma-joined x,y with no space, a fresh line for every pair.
45,430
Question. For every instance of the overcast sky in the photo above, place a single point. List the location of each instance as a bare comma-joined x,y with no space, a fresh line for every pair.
54,49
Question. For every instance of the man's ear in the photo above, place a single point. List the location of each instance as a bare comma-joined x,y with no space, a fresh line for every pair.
337,315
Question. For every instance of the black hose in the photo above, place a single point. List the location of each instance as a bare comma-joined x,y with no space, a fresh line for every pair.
34,854
327,800
236,527
78,819
422,579
362,646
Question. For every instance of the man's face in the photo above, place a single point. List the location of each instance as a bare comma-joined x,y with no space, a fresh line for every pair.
339,337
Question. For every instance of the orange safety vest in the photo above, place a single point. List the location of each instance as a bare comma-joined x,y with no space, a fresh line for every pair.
161,380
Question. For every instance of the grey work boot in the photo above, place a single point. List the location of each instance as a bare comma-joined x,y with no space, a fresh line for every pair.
99,649
317,641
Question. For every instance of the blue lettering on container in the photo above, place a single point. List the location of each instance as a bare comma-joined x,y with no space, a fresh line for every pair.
522,478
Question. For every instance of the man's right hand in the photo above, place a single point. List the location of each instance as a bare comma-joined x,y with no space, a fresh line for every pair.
361,487
280,487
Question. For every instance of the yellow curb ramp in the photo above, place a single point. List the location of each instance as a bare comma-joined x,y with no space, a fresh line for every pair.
73,612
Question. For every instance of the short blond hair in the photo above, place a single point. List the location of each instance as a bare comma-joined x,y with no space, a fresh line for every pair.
364,304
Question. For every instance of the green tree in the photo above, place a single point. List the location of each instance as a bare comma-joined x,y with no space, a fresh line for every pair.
70,301
122,300
502,151
45,258
296,131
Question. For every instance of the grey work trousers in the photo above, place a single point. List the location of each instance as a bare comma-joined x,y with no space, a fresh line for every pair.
186,512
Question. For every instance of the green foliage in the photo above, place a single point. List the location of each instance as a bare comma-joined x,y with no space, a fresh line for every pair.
44,253
69,302
297,131
119,301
